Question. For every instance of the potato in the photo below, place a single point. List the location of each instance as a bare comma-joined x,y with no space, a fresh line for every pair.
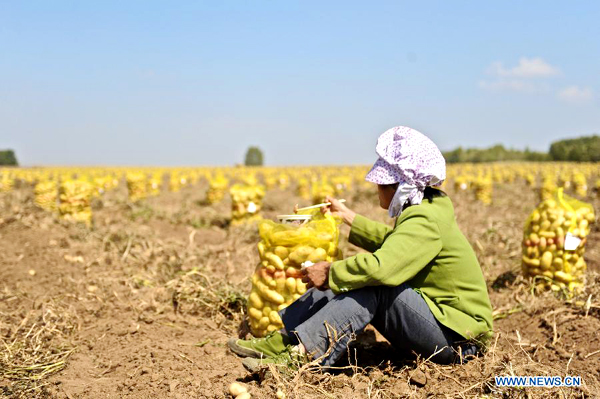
255,313
318,255
281,252
237,389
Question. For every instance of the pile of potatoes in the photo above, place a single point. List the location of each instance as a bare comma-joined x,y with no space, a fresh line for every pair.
277,281
544,250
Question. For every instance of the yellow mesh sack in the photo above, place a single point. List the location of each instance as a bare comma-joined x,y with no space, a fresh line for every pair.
6,182
137,186
46,195
554,241
246,203
217,188
320,190
154,184
177,181
75,201
547,187
580,184
283,248
303,189
484,189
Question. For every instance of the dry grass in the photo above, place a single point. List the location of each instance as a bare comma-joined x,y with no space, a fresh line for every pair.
507,357
194,292
36,340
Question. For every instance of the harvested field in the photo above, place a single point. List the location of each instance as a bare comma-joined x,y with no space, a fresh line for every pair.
141,305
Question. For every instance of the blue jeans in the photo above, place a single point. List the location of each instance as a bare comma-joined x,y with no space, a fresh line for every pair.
325,323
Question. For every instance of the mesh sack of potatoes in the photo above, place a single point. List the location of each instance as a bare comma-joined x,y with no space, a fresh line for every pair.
154,183
137,186
303,188
554,243
320,190
461,183
283,248
271,181
75,201
177,181
217,187
101,185
547,187
6,182
580,184
46,195
342,184
483,189
283,181
246,202
530,179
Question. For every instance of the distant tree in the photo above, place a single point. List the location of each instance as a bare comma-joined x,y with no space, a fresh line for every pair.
535,156
496,153
583,149
8,158
254,157
454,156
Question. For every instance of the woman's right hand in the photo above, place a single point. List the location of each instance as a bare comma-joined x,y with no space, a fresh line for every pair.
338,208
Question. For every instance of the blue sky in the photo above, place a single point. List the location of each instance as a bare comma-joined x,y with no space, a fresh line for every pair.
310,82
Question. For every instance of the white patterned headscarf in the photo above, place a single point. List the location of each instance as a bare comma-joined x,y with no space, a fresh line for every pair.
409,158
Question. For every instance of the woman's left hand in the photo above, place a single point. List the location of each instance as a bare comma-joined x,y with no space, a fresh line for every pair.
317,276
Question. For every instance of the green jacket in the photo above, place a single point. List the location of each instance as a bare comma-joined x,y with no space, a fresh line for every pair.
426,250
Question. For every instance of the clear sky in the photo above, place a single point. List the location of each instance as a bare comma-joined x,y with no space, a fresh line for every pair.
310,82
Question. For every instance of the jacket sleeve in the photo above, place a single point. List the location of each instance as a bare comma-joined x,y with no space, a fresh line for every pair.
412,245
368,234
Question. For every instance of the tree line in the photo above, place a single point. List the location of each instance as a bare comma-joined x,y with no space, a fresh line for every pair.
583,149
8,158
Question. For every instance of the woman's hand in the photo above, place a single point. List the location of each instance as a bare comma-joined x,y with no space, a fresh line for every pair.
339,209
317,276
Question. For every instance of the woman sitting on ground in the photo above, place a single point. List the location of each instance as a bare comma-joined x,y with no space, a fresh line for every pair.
420,286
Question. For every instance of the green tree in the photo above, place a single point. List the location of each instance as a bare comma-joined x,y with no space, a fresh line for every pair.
8,158
254,157
582,149
496,153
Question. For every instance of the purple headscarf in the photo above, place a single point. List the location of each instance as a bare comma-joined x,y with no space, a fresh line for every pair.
409,158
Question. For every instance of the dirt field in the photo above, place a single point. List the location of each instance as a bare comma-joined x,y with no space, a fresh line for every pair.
142,305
